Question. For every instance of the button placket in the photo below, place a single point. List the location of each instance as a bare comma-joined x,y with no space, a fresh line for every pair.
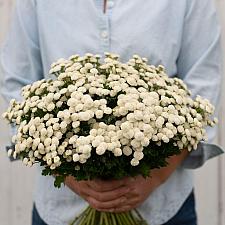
104,28
104,34
110,4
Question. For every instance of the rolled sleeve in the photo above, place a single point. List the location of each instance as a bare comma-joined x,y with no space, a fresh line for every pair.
200,66
198,157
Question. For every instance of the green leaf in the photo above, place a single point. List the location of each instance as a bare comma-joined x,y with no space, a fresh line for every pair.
58,181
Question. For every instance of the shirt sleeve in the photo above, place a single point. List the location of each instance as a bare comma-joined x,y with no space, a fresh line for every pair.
20,57
200,66
20,54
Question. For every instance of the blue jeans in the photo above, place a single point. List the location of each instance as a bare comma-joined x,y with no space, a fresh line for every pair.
185,216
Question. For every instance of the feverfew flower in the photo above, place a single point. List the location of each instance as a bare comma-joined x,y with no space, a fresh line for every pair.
105,108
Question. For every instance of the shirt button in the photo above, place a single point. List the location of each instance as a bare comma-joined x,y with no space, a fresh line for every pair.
110,4
104,34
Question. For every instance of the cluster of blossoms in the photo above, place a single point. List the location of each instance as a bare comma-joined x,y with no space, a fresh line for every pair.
98,107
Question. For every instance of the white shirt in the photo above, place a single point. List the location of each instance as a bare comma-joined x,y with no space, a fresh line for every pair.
182,35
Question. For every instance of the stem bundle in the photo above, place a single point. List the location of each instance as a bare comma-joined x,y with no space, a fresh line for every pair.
91,216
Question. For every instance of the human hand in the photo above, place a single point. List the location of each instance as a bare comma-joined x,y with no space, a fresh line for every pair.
125,194
101,195
139,190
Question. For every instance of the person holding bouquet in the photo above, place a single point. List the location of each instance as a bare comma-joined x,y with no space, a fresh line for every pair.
184,36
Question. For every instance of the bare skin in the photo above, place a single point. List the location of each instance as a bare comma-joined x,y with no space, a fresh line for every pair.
104,6
125,194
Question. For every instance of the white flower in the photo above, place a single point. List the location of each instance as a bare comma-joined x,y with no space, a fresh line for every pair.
126,126
135,143
99,114
145,142
76,124
82,159
32,129
138,155
25,161
166,113
131,81
61,150
63,124
158,110
94,71
215,120
100,150
47,142
139,136
96,143
56,159
134,162
165,139
108,110
36,141
68,152
129,134
79,107
187,132
53,166
169,134
55,141
117,152
138,115
124,141
76,157
127,151
10,151
49,131
159,122
84,116
86,149
180,144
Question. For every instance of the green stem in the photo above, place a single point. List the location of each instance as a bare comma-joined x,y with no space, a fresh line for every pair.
105,218
121,218
113,218
130,219
131,215
85,217
138,214
101,219
142,221
109,218
79,217
126,218
93,217
89,216
118,219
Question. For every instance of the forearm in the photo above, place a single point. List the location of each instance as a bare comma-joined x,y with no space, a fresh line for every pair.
162,174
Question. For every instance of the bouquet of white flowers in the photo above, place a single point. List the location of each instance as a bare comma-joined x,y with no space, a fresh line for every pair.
106,120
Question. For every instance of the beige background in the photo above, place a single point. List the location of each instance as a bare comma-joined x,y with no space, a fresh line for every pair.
16,181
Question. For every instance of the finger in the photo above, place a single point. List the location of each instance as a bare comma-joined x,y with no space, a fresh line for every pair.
123,209
74,185
101,185
106,196
133,193
130,181
106,205
117,209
